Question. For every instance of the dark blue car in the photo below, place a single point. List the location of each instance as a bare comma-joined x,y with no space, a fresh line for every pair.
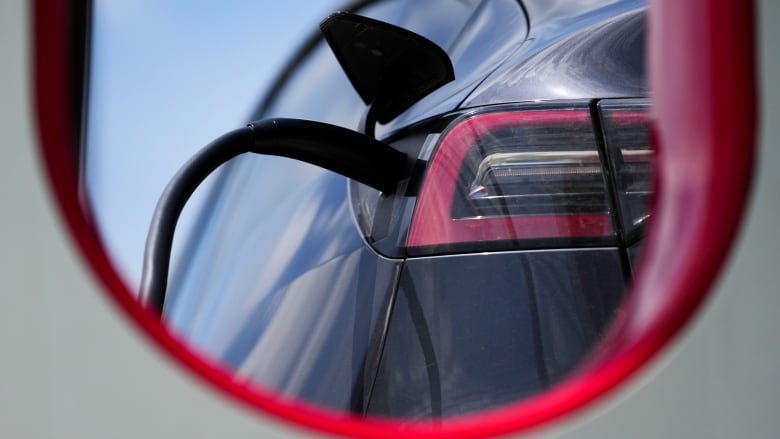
492,269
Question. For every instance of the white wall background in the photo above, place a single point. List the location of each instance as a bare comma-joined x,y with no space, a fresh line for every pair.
70,366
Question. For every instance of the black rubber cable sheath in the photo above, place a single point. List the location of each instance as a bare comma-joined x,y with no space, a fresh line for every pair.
157,255
347,152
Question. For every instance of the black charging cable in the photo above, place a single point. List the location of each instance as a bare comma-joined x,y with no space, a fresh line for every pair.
344,151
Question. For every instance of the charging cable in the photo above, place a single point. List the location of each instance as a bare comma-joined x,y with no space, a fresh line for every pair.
337,149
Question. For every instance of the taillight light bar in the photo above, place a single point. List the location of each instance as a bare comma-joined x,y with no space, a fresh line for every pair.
522,175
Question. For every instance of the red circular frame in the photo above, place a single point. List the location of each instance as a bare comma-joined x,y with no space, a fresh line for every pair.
703,92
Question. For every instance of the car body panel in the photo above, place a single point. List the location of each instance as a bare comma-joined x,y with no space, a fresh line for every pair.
575,50
471,333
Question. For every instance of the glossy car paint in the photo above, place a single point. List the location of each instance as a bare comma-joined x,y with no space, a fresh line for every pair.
282,287
697,289
470,333
559,58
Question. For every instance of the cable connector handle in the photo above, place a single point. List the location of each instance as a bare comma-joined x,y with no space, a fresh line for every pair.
337,149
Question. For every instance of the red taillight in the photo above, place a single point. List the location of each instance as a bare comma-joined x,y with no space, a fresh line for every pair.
523,178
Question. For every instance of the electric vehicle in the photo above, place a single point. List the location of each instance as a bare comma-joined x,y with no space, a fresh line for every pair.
495,265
